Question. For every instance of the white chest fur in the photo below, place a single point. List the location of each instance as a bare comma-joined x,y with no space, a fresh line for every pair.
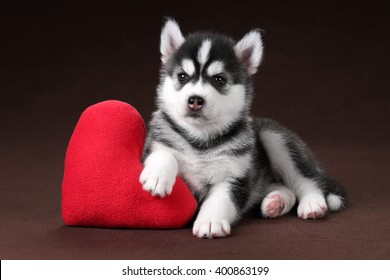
202,170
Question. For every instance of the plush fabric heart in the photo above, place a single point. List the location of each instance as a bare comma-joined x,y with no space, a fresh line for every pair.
102,168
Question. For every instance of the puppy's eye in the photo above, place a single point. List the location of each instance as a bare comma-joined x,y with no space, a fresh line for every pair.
219,80
182,77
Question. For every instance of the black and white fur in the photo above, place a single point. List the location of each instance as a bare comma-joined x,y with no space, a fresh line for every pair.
202,132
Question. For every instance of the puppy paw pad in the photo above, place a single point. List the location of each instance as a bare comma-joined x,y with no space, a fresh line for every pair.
272,206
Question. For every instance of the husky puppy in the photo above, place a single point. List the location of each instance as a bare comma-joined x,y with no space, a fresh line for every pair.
202,131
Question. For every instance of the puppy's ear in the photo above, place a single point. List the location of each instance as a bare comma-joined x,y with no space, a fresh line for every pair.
249,50
171,39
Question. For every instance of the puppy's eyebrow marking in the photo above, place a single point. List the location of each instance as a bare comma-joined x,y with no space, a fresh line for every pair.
188,66
215,68
203,53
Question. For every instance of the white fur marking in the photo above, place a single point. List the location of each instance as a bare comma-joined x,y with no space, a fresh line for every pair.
196,89
188,66
203,53
215,68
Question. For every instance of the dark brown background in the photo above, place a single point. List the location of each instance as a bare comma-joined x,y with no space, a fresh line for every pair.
325,75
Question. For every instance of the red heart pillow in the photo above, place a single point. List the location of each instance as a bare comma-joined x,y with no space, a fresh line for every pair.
102,168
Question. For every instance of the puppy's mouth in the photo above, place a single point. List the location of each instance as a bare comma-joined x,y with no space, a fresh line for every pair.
196,115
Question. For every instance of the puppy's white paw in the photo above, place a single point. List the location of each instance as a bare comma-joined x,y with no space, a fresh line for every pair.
272,205
157,181
210,229
312,206
159,174
277,202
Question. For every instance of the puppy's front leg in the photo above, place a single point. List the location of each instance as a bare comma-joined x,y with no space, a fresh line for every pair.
159,174
216,214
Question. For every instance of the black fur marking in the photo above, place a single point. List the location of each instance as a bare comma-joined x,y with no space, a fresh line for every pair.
303,165
240,191
261,160
163,140
244,149
202,194
231,132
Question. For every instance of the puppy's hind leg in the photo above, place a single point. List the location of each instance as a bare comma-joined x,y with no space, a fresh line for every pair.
293,163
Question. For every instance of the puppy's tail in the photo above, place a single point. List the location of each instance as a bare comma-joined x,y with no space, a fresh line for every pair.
335,195
335,202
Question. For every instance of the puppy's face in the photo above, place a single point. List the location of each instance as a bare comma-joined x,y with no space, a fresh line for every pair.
205,82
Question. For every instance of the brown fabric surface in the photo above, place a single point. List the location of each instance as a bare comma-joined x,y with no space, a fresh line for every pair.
325,75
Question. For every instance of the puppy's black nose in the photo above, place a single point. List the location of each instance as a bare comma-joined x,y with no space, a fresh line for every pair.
195,103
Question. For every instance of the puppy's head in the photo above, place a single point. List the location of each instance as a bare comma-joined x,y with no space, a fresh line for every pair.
205,78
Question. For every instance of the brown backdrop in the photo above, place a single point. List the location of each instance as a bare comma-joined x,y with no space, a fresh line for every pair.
325,75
